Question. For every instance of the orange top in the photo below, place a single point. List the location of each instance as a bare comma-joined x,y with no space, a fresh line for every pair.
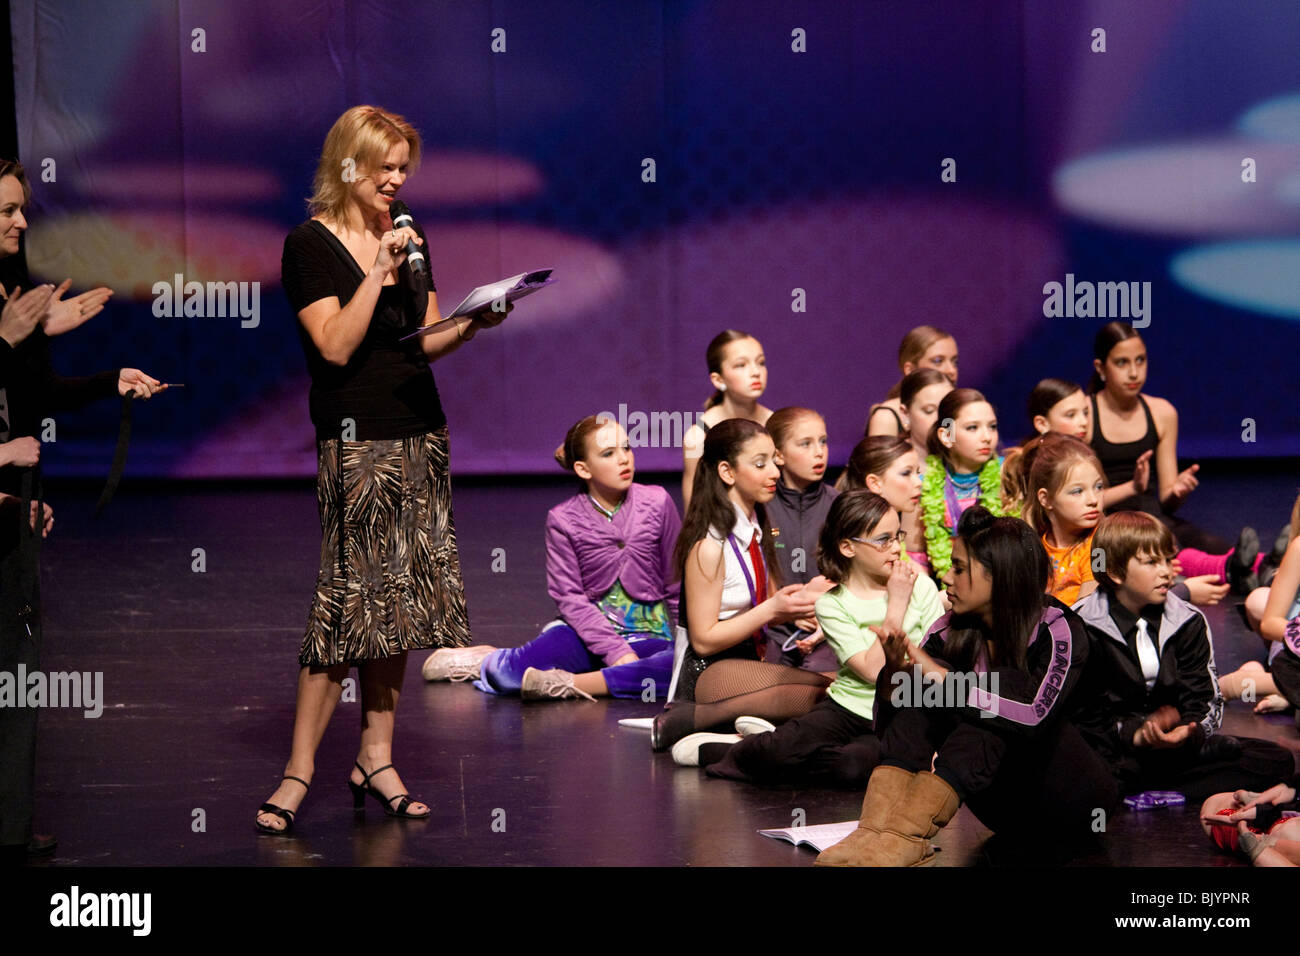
1071,569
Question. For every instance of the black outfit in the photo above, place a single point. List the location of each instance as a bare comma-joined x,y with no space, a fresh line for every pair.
1268,814
1285,664
796,519
1117,701
1012,755
902,429
31,390
830,744
1285,668
389,578
386,387
1117,461
693,665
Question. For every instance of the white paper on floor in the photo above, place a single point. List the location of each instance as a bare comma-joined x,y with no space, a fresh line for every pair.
819,837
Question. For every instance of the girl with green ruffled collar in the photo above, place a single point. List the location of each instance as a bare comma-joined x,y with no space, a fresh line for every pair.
962,469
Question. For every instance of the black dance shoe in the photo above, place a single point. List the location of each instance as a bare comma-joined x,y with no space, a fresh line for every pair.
676,721
1241,575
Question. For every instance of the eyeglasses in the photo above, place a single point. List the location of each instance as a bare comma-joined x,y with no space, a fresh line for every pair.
881,542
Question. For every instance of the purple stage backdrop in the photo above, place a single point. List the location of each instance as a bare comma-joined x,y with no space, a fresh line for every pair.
823,174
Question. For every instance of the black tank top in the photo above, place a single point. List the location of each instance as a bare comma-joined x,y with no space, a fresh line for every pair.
875,408
1118,458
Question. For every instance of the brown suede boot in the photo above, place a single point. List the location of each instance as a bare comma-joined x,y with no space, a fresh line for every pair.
924,810
884,790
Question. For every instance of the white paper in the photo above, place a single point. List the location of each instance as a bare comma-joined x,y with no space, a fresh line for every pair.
820,837
481,299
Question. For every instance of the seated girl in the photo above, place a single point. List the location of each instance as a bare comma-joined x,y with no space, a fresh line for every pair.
1060,407
1277,611
1127,428
796,514
1063,504
963,469
1153,707
609,570
861,551
1051,498
738,373
1056,405
890,468
731,592
986,721
920,394
924,347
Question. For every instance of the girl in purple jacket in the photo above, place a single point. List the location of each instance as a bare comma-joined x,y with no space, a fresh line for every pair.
609,569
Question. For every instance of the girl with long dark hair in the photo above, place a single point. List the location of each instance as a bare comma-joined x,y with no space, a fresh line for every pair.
731,592
861,551
1007,658
1128,428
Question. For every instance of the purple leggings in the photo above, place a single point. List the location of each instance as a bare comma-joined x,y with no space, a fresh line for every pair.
558,645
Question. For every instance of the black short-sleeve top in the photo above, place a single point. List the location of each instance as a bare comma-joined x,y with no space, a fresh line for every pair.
386,389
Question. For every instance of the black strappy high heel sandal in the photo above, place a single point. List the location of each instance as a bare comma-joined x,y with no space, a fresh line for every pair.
283,814
359,791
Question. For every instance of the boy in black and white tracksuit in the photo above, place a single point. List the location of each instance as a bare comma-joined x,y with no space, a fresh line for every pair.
1150,702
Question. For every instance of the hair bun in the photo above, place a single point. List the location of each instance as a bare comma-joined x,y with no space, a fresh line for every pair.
560,459
974,520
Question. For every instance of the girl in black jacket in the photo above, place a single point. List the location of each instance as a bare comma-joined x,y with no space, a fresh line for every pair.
796,514
1000,672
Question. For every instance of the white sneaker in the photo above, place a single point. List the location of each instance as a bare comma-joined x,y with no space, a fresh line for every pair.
554,684
748,726
455,663
686,752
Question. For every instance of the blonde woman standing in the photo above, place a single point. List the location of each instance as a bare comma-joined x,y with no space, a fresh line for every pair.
389,579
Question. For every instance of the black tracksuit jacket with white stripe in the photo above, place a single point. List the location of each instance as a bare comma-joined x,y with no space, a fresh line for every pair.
1114,700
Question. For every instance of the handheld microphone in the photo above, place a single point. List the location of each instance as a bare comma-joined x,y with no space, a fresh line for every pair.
401,214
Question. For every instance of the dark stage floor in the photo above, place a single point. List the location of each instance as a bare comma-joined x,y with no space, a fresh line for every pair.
199,672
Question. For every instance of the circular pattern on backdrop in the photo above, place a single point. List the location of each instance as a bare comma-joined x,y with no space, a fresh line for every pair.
1258,275
1190,188
1277,119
